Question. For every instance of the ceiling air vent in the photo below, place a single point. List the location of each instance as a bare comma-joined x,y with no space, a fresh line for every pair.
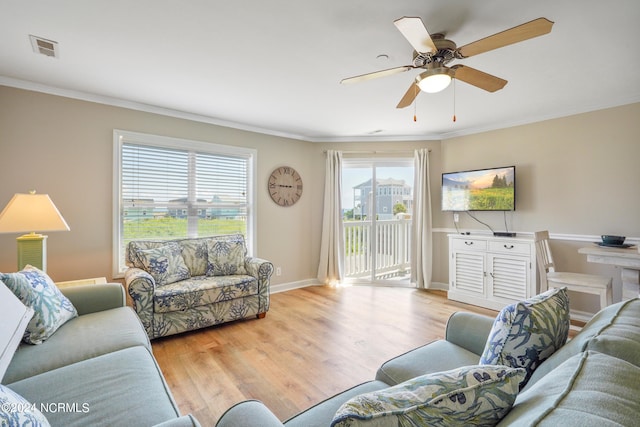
44,46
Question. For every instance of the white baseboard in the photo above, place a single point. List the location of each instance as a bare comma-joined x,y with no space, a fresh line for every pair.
282,287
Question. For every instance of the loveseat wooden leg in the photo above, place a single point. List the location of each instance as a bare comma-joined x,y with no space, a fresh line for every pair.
261,315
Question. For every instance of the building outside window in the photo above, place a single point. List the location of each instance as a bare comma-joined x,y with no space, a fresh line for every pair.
169,188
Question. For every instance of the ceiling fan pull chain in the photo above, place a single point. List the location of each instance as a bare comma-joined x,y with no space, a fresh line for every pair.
415,102
454,100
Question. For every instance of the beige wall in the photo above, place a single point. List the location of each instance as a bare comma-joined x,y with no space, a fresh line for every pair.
576,176
64,147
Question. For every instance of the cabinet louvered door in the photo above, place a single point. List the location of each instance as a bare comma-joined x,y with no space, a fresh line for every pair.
509,277
491,271
469,272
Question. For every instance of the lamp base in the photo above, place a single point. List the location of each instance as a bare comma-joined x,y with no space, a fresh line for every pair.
32,249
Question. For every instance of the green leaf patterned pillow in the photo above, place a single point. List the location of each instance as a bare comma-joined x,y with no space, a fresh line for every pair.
226,256
471,395
36,290
526,333
164,263
15,410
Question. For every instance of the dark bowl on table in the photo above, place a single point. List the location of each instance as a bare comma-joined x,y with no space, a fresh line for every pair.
613,240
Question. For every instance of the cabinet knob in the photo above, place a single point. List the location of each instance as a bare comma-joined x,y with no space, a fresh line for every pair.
508,246
468,243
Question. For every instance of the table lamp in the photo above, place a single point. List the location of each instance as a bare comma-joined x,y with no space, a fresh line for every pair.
28,213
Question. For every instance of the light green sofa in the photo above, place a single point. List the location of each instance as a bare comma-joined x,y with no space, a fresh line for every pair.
97,369
185,284
593,380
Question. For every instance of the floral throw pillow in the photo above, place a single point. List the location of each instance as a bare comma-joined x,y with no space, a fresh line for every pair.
164,263
526,333
36,290
471,395
226,256
15,410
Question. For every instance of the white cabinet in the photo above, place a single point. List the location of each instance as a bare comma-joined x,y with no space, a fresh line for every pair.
491,271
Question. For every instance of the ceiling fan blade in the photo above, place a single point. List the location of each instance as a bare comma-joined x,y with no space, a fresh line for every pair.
414,30
535,28
408,97
376,74
478,78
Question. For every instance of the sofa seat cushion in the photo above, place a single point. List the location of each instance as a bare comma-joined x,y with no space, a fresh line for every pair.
588,389
320,415
81,338
122,388
471,395
202,290
434,357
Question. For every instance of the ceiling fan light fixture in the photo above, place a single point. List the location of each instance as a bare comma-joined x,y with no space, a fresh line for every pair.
435,80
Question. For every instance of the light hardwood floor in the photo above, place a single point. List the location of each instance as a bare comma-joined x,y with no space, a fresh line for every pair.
313,343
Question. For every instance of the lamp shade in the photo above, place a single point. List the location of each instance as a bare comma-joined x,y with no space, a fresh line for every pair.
30,213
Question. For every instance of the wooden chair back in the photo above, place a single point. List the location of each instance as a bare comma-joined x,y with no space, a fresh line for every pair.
543,256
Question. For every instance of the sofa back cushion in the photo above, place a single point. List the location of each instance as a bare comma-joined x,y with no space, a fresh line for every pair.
226,255
614,330
164,263
213,256
588,389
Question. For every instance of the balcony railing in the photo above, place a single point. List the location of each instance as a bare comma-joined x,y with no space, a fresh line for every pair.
390,243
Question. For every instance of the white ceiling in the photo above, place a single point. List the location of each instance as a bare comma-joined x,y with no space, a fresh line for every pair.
274,66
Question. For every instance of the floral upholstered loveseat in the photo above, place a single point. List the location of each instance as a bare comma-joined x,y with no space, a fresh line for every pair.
186,284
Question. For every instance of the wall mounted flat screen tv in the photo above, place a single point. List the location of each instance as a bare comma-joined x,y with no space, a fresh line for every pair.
480,190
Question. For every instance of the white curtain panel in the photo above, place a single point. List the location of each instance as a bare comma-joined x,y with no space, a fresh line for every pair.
331,270
422,239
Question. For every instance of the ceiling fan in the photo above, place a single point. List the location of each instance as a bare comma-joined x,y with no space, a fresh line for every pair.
433,52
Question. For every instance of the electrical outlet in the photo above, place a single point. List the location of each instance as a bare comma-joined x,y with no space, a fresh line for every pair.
278,271
456,217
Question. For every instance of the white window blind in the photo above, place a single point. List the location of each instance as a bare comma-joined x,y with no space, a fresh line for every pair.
170,188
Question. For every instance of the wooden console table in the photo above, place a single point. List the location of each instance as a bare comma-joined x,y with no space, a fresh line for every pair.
627,259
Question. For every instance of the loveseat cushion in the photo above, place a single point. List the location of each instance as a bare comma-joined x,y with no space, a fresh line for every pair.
526,333
164,263
202,290
471,395
86,336
36,290
226,256
195,255
122,388
588,389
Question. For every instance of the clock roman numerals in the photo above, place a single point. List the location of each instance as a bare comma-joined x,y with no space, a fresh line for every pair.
285,186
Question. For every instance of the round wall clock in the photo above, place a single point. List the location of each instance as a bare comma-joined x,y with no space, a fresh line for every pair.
285,186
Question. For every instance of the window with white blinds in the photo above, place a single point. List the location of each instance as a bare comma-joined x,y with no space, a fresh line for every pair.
170,188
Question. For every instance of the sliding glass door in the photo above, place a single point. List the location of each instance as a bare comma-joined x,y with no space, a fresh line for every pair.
377,199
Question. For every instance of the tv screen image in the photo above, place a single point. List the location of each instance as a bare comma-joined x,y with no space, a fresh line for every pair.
480,190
